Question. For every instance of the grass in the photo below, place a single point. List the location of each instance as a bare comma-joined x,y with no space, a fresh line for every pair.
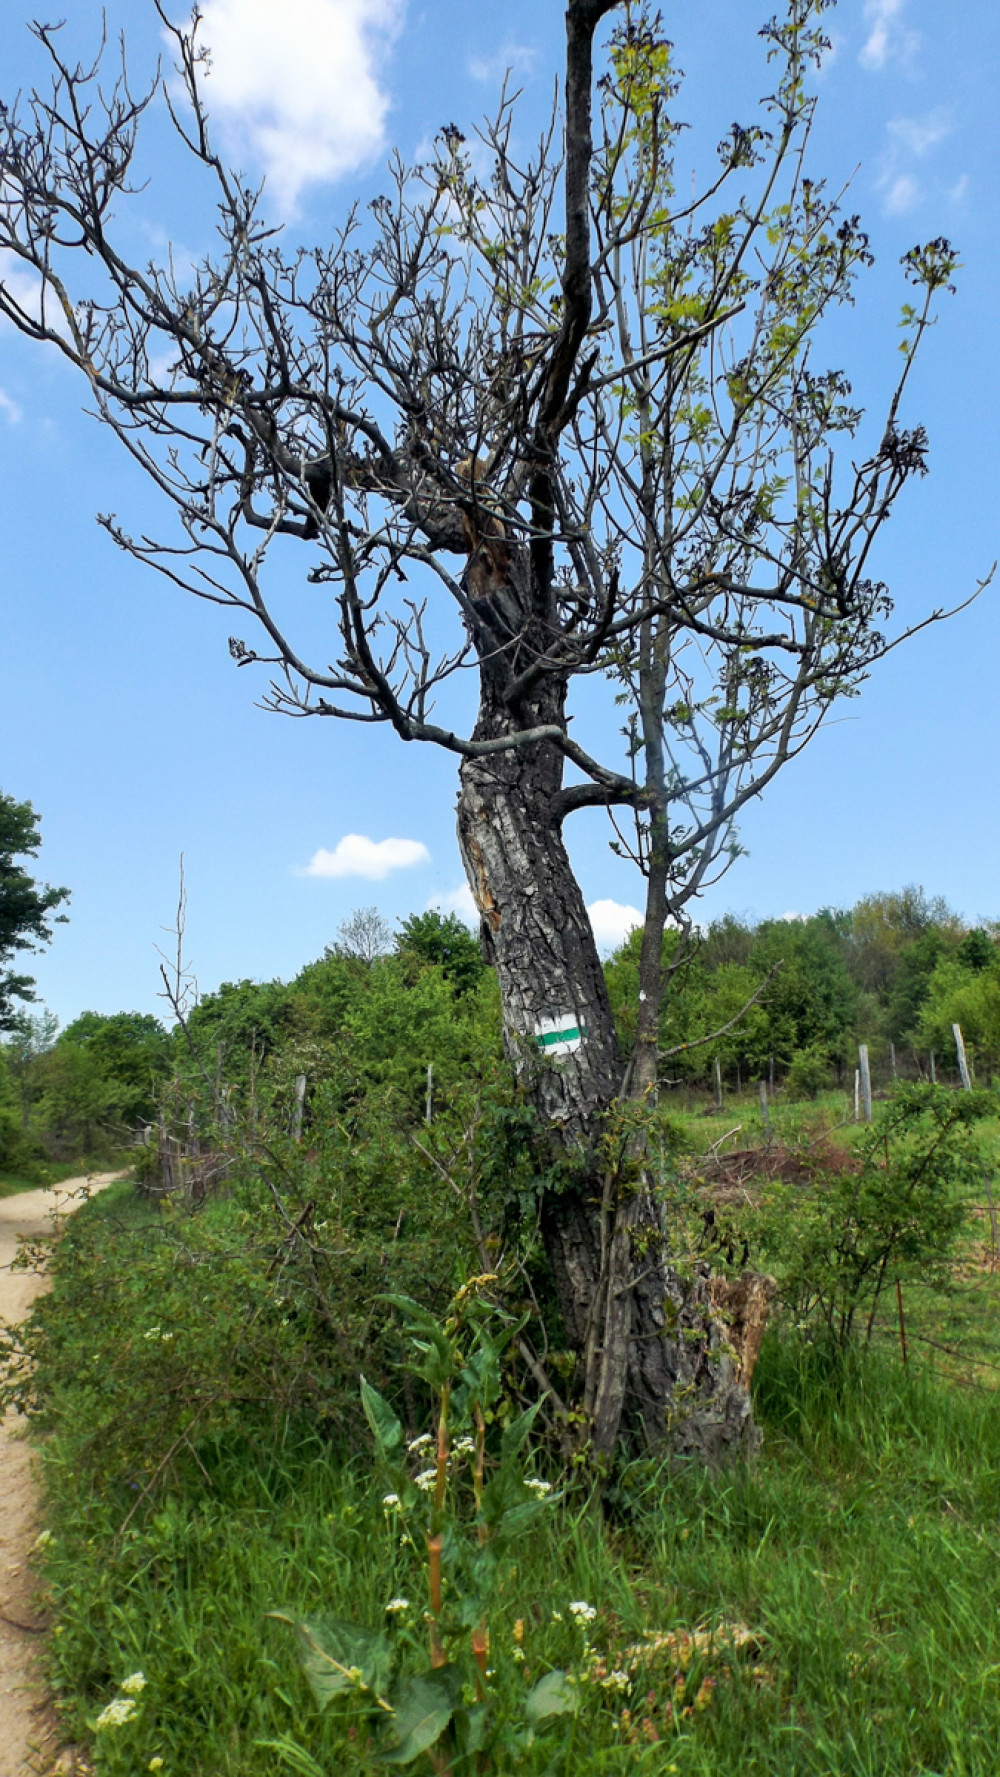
862,1551
40,1175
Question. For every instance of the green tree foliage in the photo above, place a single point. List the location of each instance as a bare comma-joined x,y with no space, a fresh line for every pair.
26,906
82,1093
444,939
130,1050
896,968
885,927
79,1107
960,994
31,1036
240,1024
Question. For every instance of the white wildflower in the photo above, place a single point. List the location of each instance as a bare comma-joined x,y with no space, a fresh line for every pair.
132,1685
557,1616
582,1611
154,1333
464,1447
390,1501
116,1714
422,1443
537,1486
396,1607
426,1480
616,1681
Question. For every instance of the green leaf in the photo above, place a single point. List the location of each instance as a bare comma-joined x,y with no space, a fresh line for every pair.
423,1712
380,1416
516,1519
292,1755
518,1429
331,1650
472,1727
552,1695
420,1321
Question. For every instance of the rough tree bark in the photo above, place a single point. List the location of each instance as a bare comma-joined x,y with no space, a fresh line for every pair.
651,1343
640,1324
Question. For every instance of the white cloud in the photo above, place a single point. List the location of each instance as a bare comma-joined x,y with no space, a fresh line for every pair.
25,286
919,135
910,138
612,922
902,194
513,58
458,900
375,859
9,408
296,84
887,35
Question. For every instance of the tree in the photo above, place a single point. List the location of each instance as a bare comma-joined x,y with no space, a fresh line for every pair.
25,905
364,935
445,939
884,925
131,1051
581,413
31,1038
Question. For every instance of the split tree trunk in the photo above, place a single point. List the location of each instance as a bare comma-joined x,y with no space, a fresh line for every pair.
657,1330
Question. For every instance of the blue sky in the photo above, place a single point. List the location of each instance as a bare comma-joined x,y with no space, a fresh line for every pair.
121,715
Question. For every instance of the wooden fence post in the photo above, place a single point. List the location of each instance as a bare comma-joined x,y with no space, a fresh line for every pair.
429,1101
933,1074
857,1095
902,1322
718,1085
765,1115
300,1099
963,1065
866,1081
892,1059
991,1206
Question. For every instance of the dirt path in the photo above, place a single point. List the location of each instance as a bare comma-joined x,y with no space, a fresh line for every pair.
24,1730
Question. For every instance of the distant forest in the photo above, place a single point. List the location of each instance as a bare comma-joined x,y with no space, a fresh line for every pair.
896,969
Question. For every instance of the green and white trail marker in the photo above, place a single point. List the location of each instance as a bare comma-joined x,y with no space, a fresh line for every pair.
561,1035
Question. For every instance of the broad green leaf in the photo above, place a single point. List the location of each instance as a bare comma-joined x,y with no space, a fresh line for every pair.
519,1518
420,1321
552,1695
424,1709
380,1416
518,1429
331,1650
472,1727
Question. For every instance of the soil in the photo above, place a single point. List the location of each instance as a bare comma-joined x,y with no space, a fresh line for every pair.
29,1737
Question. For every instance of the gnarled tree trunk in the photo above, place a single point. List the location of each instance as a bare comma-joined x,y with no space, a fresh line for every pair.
651,1345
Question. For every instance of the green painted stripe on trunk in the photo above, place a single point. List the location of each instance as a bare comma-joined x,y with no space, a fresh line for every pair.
569,1035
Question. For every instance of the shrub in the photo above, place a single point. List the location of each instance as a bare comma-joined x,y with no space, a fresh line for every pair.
809,1074
897,1213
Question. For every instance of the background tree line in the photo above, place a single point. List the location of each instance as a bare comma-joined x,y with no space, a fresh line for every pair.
896,968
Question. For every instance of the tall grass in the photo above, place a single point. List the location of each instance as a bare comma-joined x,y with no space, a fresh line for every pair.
861,1550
